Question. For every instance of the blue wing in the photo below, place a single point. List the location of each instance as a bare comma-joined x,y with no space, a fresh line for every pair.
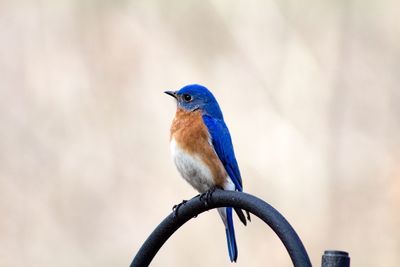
222,142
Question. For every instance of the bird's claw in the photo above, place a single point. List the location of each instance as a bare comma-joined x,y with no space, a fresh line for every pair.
206,196
176,207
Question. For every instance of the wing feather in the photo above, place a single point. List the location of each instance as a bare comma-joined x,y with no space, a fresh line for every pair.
222,142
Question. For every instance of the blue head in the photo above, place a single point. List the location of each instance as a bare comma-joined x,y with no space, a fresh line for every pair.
197,97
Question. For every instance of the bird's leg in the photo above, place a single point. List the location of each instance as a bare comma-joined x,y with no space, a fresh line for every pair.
206,196
176,207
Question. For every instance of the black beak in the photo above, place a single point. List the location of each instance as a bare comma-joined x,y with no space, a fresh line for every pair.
171,93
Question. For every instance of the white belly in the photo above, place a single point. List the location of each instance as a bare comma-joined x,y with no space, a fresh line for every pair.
192,168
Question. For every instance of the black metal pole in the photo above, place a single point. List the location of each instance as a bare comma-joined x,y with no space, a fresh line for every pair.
335,258
222,198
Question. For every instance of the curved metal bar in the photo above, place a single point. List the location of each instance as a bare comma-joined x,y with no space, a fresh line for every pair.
221,198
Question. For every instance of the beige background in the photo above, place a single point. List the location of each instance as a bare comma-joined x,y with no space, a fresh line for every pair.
309,89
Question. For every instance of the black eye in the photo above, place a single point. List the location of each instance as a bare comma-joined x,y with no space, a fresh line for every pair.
187,97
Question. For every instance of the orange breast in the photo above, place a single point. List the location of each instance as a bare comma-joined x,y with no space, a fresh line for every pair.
190,132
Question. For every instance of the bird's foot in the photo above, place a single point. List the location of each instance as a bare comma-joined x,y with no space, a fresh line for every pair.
176,207
206,196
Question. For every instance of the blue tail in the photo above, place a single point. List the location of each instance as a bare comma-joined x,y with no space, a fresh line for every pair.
230,236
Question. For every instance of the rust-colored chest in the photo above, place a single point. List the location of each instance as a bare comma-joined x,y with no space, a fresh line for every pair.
189,130
191,134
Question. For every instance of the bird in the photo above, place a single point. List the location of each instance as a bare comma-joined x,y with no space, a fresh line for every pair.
202,150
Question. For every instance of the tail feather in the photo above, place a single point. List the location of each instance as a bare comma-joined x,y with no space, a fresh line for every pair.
230,236
240,215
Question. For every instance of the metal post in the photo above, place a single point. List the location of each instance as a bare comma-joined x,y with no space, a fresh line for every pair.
222,198
335,258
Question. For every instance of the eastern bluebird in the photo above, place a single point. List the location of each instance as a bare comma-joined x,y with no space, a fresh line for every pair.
202,150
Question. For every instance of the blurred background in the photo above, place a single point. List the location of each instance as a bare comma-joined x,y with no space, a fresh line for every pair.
310,92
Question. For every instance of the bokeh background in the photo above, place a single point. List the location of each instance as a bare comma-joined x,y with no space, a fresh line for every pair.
310,91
